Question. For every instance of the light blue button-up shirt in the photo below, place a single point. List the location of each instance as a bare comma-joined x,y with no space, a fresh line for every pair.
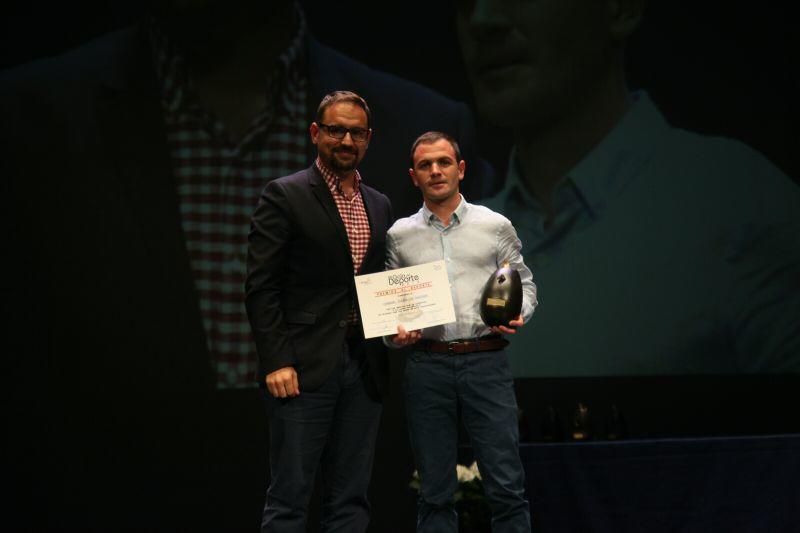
474,244
671,253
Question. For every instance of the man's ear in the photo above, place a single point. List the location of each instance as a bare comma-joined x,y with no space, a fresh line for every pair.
413,177
624,16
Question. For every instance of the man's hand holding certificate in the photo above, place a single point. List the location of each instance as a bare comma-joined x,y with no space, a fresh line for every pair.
412,297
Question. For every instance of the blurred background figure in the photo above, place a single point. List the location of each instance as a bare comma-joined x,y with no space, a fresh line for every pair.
131,166
657,250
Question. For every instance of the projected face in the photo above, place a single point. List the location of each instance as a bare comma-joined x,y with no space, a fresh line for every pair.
531,61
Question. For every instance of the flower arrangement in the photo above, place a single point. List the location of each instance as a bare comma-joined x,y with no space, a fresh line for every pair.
473,510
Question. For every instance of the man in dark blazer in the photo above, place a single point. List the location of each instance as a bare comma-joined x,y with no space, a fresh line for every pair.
112,393
312,231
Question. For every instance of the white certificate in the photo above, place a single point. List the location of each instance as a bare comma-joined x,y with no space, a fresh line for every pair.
416,297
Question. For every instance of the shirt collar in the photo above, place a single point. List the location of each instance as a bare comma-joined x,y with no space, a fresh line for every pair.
608,166
457,216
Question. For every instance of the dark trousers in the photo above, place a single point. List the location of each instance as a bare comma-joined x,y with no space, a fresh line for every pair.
481,383
333,427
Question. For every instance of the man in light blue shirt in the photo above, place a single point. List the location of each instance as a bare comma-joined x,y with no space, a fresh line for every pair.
663,251
463,363
669,253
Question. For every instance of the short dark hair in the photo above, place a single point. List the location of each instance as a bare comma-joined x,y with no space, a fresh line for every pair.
430,137
343,96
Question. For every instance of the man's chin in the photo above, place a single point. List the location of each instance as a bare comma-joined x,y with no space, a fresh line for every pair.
343,167
438,196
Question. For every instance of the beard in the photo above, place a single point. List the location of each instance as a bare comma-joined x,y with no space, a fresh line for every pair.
341,166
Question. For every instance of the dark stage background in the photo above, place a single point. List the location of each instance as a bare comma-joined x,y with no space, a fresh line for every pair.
726,71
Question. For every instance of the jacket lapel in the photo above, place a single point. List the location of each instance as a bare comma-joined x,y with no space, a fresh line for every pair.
323,194
379,222
374,225
132,128
146,213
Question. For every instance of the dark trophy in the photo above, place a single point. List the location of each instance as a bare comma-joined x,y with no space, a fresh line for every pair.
501,300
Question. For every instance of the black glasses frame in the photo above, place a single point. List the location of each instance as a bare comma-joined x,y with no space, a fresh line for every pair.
339,132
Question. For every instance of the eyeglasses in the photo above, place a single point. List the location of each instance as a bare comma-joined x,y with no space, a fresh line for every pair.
338,132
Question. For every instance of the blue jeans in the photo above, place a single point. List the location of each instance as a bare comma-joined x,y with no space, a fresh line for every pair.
334,427
481,383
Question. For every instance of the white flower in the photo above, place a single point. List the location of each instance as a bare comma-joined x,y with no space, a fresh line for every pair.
465,475
474,469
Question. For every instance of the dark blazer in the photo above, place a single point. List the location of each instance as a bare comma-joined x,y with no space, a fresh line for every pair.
300,277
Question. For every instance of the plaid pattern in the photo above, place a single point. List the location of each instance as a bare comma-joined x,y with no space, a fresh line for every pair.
219,180
354,216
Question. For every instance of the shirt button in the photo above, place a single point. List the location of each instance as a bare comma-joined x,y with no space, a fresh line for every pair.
342,323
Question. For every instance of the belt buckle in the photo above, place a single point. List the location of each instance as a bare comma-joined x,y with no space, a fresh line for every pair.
451,346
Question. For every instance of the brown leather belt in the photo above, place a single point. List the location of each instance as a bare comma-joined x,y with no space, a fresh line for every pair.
482,344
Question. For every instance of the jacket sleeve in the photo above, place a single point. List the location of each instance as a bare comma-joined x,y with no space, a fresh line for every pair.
270,234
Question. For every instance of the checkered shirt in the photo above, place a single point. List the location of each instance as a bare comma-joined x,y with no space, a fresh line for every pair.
354,216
